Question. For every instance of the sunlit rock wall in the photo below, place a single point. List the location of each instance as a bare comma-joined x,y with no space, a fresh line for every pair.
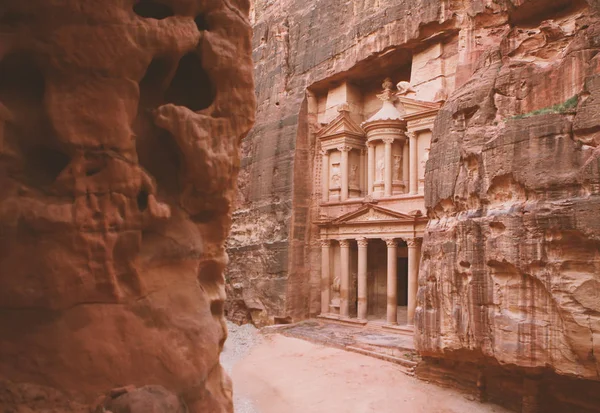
510,274
120,126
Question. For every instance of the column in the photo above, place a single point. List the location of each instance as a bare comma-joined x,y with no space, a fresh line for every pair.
325,176
414,256
325,277
362,278
345,278
370,167
414,166
392,281
405,172
362,171
344,167
389,167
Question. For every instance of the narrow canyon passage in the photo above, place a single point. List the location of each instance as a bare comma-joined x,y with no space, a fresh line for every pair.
275,374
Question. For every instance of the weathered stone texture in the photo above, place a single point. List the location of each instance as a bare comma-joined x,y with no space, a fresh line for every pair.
510,268
120,125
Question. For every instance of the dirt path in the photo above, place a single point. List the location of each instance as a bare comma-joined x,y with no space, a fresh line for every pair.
283,374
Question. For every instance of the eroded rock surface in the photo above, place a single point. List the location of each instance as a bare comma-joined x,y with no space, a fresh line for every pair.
119,131
510,268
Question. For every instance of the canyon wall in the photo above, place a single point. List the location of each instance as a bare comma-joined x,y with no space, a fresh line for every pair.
509,287
509,284
120,127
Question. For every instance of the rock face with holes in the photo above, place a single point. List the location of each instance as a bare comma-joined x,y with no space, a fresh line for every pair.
510,275
119,134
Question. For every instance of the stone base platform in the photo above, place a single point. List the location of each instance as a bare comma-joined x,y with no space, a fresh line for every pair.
343,320
393,345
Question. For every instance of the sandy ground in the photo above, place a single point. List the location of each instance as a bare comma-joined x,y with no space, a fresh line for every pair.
240,340
287,375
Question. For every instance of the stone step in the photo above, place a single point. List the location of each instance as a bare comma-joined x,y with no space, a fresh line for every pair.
408,364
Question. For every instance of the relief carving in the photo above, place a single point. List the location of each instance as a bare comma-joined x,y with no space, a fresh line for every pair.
380,168
336,180
354,175
398,167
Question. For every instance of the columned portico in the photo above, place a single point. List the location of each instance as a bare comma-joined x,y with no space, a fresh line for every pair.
381,286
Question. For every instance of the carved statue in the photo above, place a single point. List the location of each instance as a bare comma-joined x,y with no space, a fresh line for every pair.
380,168
335,289
397,167
336,181
387,84
354,175
404,88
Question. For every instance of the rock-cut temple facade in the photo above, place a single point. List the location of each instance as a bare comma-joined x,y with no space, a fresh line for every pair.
370,209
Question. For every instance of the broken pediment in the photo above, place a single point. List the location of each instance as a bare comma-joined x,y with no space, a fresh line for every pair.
342,125
413,106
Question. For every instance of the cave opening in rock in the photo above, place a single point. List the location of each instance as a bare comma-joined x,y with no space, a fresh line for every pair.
152,10
201,23
532,13
142,200
28,130
153,83
44,164
20,80
159,154
191,86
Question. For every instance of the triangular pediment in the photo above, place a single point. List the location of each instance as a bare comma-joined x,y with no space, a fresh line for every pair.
415,106
373,213
341,125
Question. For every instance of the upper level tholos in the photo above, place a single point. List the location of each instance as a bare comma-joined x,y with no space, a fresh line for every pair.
384,156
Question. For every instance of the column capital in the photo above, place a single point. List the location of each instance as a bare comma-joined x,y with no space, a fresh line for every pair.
325,243
388,140
344,243
414,242
411,135
324,152
362,242
391,242
344,148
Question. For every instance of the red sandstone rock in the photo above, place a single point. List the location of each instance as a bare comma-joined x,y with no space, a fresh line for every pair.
119,131
509,284
509,275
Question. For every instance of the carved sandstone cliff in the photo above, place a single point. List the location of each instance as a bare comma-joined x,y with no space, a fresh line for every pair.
300,45
510,277
119,133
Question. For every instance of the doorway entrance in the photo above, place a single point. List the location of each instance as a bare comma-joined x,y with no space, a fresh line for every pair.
377,281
